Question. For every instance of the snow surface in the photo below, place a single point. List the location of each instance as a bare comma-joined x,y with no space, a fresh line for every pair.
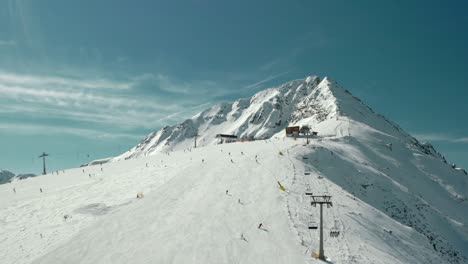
186,217
395,200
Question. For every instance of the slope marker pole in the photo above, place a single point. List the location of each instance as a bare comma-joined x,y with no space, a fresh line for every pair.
195,141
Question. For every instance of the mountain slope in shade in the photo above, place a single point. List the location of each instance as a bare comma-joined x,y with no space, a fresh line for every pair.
6,176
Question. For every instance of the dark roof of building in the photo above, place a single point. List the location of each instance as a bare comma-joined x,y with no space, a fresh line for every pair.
226,136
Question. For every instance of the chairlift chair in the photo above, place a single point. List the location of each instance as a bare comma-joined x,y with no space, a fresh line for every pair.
312,225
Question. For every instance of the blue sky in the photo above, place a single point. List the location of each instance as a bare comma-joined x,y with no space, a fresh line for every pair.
87,79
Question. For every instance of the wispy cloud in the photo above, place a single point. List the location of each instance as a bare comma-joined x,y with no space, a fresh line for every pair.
265,80
35,129
307,42
73,97
63,82
89,100
7,43
441,138
180,87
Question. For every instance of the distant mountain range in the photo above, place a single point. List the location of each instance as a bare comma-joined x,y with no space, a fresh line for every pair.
8,176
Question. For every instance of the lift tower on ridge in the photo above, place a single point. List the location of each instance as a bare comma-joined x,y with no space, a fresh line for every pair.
43,155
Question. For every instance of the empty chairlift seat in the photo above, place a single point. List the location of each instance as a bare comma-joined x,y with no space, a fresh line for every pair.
312,225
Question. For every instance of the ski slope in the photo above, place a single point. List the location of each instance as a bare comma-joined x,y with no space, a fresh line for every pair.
187,217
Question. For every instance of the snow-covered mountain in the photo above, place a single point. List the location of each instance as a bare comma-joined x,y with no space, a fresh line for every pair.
320,103
395,200
426,191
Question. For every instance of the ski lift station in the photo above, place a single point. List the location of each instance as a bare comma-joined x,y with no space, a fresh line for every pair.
292,131
225,138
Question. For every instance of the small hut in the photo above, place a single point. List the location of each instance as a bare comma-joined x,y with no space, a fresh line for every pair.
292,131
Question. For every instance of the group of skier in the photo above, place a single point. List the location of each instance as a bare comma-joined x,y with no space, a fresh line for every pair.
334,233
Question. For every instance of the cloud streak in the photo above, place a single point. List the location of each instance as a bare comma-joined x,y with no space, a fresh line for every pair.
441,138
63,82
265,80
101,102
34,129
7,43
